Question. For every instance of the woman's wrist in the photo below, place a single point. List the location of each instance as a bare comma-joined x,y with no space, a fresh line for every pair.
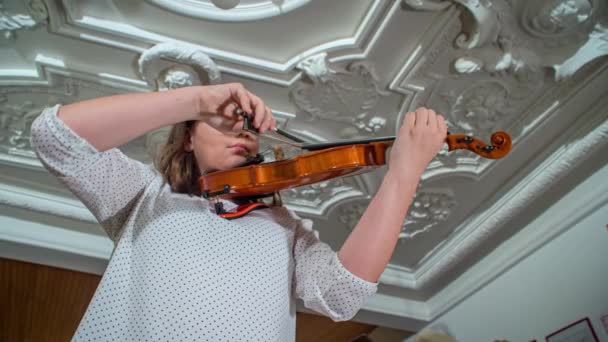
195,94
185,104
400,177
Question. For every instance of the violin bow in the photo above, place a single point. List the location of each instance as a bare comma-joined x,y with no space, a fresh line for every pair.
500,142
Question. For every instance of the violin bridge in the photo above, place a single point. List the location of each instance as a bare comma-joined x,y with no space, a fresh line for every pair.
278,152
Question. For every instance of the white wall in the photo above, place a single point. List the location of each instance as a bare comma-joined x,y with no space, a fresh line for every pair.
563,281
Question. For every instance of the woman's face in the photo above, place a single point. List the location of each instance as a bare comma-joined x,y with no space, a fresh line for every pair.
220,144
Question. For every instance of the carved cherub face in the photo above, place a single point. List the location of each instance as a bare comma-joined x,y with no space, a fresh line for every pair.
177,77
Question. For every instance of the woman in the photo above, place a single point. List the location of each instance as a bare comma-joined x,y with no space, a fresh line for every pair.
180,272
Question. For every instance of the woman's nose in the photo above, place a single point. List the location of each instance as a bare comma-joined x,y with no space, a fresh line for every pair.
246,135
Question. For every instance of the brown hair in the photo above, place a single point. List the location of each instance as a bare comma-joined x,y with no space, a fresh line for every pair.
178,166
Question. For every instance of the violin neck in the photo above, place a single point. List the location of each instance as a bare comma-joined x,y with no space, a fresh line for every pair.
320,146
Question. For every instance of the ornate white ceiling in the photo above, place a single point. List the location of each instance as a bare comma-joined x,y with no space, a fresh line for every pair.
331,69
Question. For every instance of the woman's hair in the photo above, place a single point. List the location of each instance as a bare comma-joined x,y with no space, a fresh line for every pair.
178,166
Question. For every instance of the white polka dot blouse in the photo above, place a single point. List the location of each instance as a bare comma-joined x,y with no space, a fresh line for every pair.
179,272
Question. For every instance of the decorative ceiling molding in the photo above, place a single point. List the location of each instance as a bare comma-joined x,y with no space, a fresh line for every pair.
318,198
15,123
561,22
595,47
77,247
230,10
132,38
349,97
349,214
44,203
52,73
496,71
588,137
429,83
429,208
11,23
178,74
504,37
434,265
585,141
567,213
398,276
51,83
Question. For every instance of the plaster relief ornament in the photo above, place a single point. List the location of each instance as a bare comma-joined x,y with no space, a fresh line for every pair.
318,197
188,66
501,58
349,97
351,213
11,22
230,10
559,22
519,36
15,124
482,108
429,208
595,47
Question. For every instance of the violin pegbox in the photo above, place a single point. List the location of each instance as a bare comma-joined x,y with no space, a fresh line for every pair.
500,144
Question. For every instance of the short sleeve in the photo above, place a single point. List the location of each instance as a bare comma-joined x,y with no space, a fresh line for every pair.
322,282
108,183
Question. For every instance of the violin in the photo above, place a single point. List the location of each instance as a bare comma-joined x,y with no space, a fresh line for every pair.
324,161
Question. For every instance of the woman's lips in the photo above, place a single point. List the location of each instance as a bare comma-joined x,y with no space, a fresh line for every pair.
240,148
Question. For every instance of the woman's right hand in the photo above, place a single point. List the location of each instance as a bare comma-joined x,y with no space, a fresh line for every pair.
217,104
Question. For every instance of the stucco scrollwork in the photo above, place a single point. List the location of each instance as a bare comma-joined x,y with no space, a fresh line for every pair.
350,214
429,208
15,124
188,66
500,60
317,197
481,108
485,20
349,96
595,47
517,36
557,20
317,191
11,23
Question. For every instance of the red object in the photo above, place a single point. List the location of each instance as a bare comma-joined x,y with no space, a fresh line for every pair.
243,210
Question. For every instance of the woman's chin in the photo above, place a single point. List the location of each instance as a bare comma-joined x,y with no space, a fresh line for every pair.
235,161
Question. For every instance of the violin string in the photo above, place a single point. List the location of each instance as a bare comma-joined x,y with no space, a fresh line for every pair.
266,151
281,140
248,127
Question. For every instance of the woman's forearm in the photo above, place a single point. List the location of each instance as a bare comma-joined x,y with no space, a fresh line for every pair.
111,121
369,247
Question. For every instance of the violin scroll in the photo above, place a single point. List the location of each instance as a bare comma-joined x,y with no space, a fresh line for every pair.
499,147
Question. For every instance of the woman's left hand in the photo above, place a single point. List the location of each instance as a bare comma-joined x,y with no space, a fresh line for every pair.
218,103
420,138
